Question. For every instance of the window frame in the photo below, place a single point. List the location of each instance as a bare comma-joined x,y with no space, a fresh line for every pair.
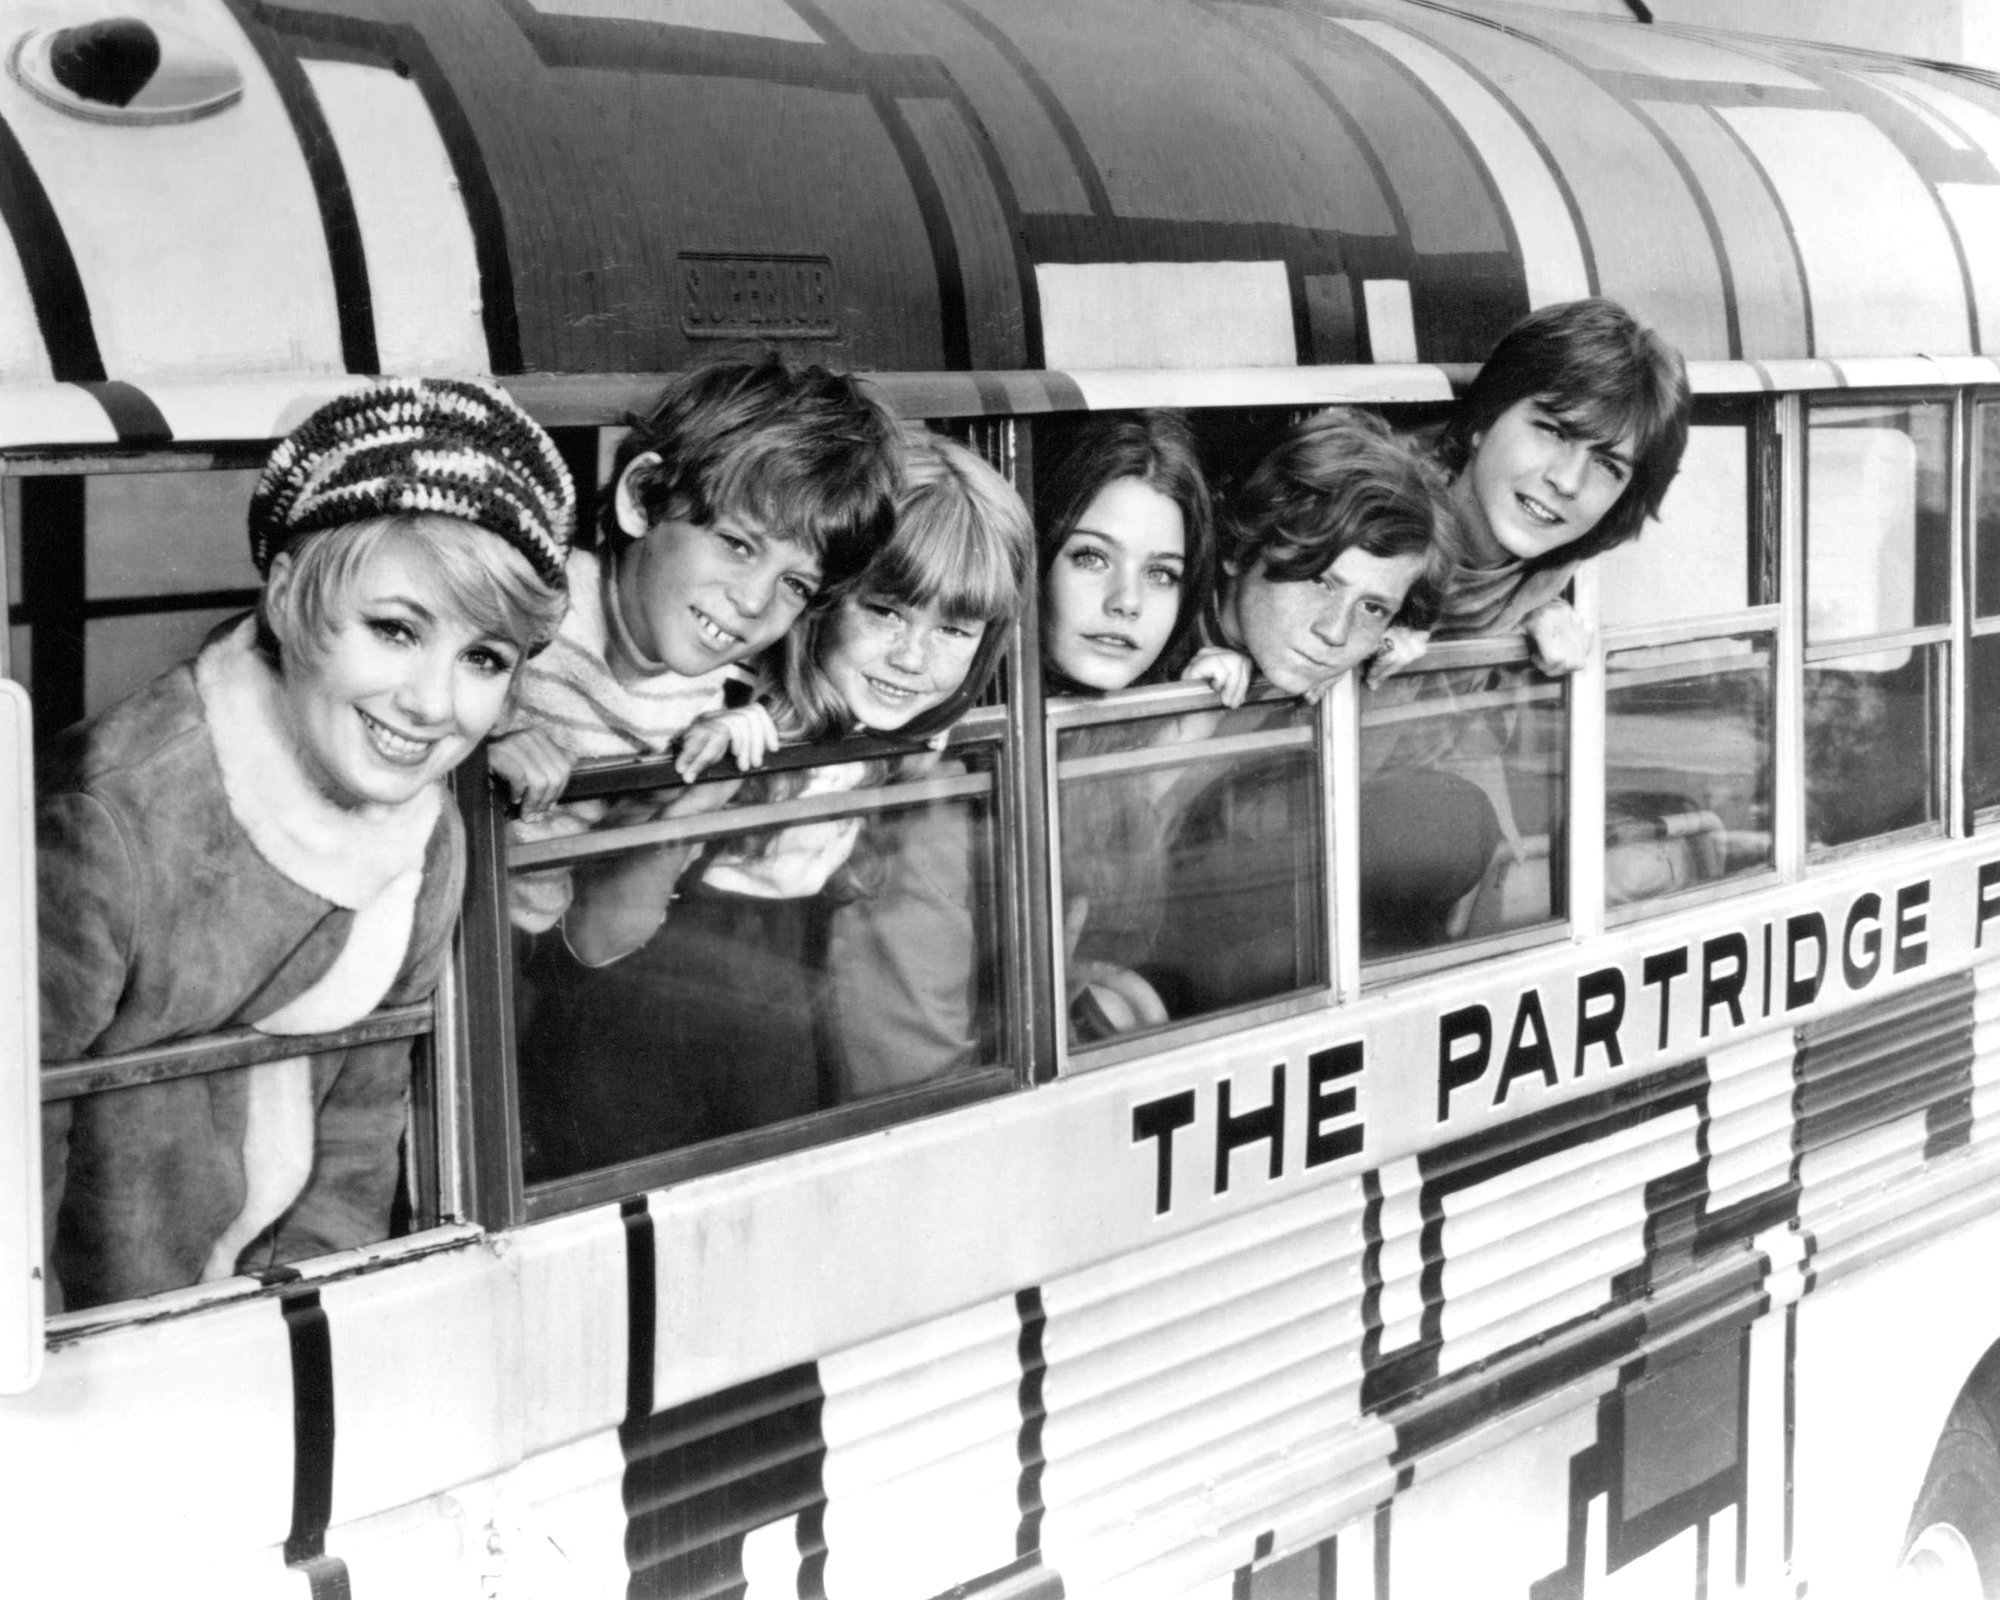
1771,572
1062,715
1948,734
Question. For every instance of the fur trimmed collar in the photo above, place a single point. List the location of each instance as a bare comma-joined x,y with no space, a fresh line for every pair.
346,856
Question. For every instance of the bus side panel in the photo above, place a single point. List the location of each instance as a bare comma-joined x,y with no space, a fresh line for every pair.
152,1452
1874,1383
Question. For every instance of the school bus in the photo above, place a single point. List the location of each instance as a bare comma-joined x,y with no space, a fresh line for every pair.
1632,1234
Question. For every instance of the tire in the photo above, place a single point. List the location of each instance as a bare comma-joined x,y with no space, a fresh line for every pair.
1952,1548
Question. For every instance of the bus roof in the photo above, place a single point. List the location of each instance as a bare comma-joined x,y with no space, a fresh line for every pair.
965,187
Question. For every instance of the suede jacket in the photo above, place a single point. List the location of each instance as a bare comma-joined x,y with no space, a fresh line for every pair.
192,879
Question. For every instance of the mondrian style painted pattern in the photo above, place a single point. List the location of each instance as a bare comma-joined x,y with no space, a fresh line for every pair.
1562,1348
515,186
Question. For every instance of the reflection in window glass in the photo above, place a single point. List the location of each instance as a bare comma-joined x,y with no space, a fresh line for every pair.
1688,766
1986,513
1463,807
168,533
1697,561
126,653
1982,725
1877,519
1192,865
796,969
1872,755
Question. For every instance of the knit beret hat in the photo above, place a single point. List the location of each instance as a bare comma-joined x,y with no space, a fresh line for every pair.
443,445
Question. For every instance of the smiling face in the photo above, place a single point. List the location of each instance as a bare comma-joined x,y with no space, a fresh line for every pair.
696,596
1113,593
1533,485
400,690
1305,635
890,661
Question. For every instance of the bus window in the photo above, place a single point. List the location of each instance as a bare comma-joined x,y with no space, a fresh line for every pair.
115,577
1689,699
1982,764
1192,863
1688,729
165,559
1464,791
1877,618
717,966
1698,559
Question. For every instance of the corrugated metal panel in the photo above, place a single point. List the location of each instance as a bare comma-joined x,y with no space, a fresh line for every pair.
1195,1385
1882,1089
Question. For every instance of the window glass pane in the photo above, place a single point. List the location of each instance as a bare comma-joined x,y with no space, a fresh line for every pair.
1688,758
124,653
168,533
1872,749
1982,764
794,969
1463,807
1986,514
1696,561
1192,863
1877,518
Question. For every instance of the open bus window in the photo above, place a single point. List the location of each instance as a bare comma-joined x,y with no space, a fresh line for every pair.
1464,785
155,1164
731,962
1689,745
1192,865
1877,618
1982,764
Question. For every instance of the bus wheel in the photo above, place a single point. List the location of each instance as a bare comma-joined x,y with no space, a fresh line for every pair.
1952,1551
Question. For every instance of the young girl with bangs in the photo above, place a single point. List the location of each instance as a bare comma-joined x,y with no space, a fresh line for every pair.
1128,570
716,1011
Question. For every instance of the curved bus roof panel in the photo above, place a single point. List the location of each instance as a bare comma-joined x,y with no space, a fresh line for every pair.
989,186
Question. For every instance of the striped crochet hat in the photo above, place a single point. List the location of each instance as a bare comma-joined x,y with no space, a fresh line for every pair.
442,445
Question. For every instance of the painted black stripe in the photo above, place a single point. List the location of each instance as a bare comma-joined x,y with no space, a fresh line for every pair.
312,1426
483,214
53,581
132,413
62,309
1388,61
1492,85
1067,132
1785,220
1711,92
1028,1306
403,50
1711,224
1001,182
954,328
326,1578
642,1308
353,299
1934,162
1372,157
615,44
